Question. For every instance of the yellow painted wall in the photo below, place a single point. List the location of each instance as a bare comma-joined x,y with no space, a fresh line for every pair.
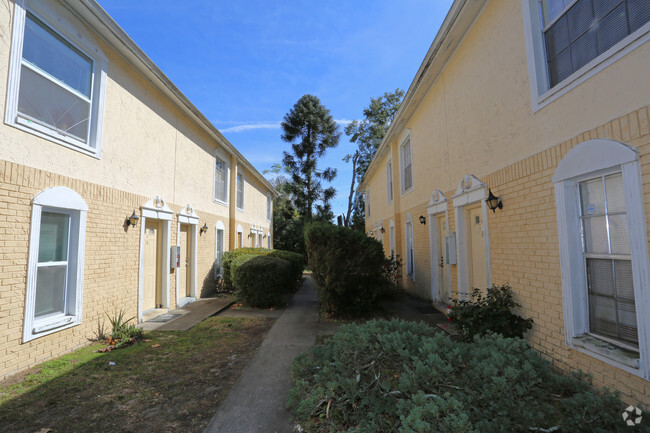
477,118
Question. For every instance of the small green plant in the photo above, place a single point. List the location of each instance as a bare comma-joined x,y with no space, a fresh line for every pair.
392,270
488,314
123,332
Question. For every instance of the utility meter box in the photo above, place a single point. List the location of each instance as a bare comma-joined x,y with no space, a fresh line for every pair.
450,248
175,256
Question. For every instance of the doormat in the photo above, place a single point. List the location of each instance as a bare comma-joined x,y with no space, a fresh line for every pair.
164,318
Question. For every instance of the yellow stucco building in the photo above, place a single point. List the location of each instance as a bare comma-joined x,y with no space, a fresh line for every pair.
545,104
93,132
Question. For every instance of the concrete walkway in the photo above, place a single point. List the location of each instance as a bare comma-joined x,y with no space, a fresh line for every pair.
182,319
256,403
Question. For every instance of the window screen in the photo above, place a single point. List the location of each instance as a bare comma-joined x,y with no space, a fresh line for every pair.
606,250
575,33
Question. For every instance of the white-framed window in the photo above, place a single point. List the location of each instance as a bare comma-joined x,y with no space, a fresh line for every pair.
56,262
269,207
410,251
219,248
406,164
391,236
268,240
240,190
221,176
389,181
366,196
57,78
568,41
604,253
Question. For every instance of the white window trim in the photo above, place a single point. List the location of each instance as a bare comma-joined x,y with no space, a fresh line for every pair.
221,156
389,181
61,21
157,209
391,236
470,191
188,216
217,265
367,199
437,205
541,95
406,137
243,190
587,160
269,207
63,200
409,220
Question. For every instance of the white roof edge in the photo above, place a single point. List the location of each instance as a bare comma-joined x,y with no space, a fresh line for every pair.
94,16
433,61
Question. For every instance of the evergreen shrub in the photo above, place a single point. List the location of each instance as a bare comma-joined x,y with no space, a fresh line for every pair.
231,255
263,281
489,314
347,267
296,260
399,376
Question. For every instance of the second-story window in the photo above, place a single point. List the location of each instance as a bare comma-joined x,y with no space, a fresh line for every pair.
56,83
576,32
220,179
389,181
406,166
240,191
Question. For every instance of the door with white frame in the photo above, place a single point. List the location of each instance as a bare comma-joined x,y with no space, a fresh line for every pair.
472,237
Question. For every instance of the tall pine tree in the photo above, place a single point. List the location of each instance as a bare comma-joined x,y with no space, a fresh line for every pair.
311,130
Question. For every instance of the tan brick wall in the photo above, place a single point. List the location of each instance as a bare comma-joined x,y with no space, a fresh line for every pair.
110,268
524,247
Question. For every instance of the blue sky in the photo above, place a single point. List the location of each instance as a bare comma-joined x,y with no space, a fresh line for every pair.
245,64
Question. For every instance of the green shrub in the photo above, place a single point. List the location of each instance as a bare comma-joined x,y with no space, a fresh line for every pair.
402,377
263,281
489,314
231,255
296,260
347,266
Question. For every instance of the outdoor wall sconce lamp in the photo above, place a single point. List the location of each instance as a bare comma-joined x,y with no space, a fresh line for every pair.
423,219
493,202
382,230
132,220
204,229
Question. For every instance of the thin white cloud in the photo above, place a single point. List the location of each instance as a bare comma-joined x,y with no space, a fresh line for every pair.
251,126
248,126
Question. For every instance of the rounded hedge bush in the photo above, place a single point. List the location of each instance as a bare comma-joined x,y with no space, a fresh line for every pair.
263,281
296,260
230,256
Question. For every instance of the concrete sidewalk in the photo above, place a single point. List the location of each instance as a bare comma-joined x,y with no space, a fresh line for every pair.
256,403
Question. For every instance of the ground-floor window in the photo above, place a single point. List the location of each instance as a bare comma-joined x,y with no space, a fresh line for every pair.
55,269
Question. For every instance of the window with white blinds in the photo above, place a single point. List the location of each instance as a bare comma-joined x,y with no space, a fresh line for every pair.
240,191
607,258
406,165
578,31
220,180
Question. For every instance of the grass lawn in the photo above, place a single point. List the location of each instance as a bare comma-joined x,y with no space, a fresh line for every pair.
173,383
